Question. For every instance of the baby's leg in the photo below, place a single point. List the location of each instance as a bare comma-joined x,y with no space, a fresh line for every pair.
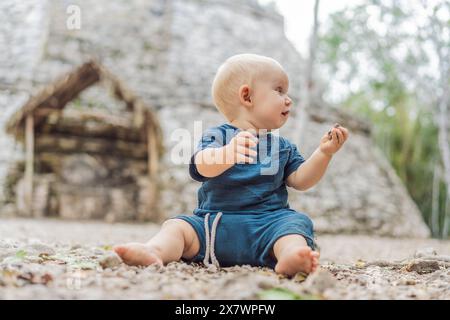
293,255
176,239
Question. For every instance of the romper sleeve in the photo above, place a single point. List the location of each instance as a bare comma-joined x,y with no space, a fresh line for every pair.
295,159
211,138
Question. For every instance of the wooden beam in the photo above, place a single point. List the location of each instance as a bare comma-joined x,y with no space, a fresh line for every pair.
29,145
152,211
138,115
73,144
82,127
152,153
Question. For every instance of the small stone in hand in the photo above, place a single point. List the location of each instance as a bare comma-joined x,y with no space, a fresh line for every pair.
337,125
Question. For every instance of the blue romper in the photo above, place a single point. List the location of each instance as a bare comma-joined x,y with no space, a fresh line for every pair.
242,212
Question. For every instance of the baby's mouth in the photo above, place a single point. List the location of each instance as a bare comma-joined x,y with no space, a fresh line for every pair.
285,113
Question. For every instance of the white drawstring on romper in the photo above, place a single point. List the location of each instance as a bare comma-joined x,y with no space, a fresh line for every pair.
209,252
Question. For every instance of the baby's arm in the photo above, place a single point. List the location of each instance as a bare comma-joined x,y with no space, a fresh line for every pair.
212,162
312,170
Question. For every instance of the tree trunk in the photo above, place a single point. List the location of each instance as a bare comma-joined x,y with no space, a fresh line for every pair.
442,120
434,218
302,115
445,224
443,101
443,135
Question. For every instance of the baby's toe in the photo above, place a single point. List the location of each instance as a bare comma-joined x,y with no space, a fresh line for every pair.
120,249
315,262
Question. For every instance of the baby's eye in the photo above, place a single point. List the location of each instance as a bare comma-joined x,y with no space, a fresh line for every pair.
279,89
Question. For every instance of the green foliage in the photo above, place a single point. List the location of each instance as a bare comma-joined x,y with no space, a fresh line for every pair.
21,254
285,294
380,52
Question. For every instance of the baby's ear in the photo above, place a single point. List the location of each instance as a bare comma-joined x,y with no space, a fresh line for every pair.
245,95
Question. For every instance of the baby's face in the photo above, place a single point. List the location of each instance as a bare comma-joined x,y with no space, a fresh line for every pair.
270,99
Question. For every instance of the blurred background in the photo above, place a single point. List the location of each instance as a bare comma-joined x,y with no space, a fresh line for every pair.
388,61
91,94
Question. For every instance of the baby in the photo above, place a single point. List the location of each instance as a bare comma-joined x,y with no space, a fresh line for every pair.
243,216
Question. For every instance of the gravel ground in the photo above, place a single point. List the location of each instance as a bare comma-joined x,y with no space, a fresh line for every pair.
55,259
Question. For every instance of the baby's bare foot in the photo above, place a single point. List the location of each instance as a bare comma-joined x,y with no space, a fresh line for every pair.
138,254
297,259
315,260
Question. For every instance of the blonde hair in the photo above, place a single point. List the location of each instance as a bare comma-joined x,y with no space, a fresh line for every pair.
232,74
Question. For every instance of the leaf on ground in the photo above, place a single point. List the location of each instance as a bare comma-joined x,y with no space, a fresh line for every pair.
73,261
300,277
360,263
284,294
45,257
59,258
17,258
21,254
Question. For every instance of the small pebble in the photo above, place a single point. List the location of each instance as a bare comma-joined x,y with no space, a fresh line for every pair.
423,266
110,260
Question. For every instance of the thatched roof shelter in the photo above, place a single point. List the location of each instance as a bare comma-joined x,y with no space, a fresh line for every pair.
51,135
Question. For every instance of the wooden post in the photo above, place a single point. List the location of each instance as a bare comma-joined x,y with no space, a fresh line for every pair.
138,115
152,168
152,153
29,151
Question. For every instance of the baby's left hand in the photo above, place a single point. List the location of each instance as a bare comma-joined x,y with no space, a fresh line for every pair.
332,141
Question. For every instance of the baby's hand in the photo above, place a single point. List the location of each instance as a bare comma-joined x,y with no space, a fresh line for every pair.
332,141
239,149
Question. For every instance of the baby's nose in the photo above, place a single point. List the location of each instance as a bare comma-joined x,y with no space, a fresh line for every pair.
288,101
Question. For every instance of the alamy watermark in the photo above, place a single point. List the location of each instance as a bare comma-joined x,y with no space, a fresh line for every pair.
187,142
77,278
73,21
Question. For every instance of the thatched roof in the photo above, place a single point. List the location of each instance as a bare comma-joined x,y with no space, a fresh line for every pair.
56,95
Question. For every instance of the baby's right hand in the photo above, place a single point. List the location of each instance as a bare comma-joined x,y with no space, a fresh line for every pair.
239,149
